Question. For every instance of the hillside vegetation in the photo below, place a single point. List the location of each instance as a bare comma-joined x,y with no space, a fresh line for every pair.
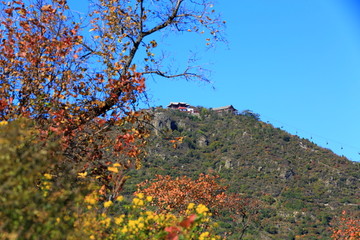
300,186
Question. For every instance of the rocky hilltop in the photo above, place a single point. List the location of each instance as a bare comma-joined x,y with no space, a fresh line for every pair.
301,185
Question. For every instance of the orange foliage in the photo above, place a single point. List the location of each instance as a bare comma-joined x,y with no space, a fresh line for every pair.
78,80
176,194
48,75
182,193
347,226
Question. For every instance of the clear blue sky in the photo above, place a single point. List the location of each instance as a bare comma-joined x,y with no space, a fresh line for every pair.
296,63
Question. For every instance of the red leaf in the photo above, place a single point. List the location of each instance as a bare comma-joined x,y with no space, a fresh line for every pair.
173,233
9,11
186,223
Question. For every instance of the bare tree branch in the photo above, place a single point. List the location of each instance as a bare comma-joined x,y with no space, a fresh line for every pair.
168,21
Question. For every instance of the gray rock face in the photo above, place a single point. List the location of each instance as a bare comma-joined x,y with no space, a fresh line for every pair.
202,141
161,121
287,174
228,162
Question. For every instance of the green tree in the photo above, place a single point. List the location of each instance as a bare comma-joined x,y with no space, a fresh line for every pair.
35,196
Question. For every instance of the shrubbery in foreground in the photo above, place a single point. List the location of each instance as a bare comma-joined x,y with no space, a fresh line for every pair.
43,199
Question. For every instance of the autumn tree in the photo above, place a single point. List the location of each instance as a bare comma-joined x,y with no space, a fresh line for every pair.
80,76
175,195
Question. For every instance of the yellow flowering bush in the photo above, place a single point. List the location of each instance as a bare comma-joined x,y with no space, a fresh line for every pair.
202,209
134,219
